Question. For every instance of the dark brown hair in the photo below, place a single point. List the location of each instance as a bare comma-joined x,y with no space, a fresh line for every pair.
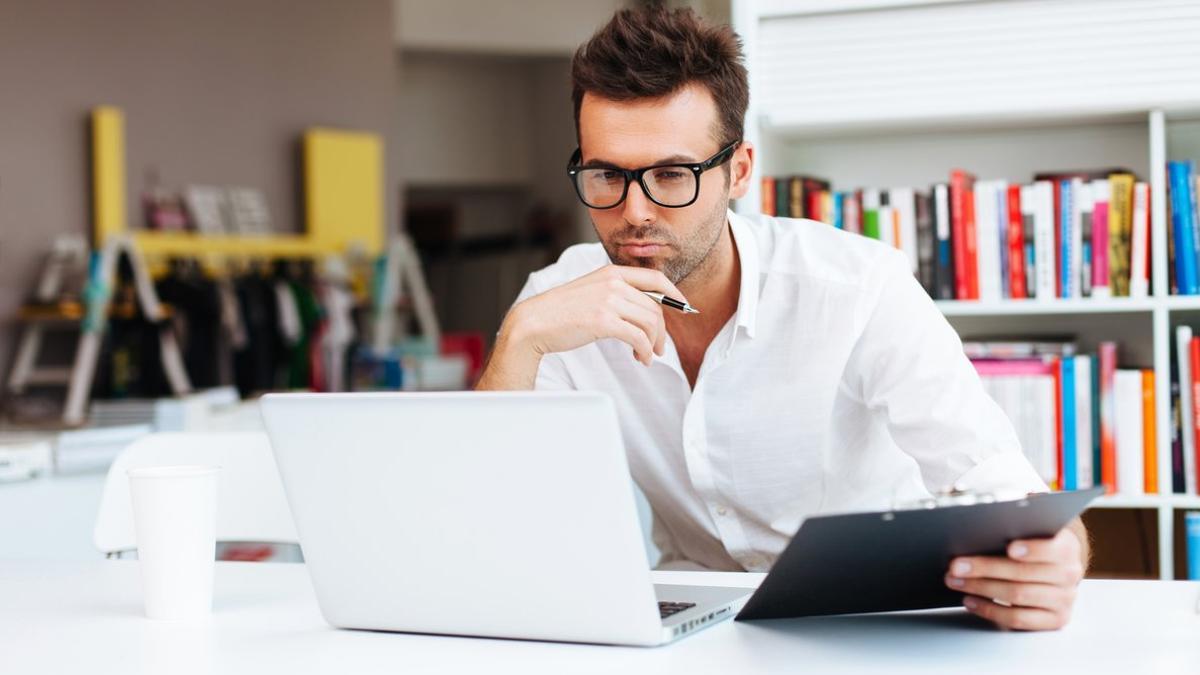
650,52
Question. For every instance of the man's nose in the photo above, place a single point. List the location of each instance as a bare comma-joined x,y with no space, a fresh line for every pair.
638,209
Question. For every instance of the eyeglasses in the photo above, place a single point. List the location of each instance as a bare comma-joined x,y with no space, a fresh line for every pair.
671,185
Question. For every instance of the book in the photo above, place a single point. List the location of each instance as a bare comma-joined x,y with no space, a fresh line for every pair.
783,202
1043,223
1082,224
1120,227
870,213
1015,241
1139,247
1001,206
1149,432
962,234
768,196
1107,353
1069,475
1083,422
1026,206
987,231
852,212
1025,390
1183,341
903,203
1127,394
1182,218
945,252
796,198
1100,193
926,243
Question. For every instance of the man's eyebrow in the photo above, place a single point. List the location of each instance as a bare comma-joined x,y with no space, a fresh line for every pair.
599,163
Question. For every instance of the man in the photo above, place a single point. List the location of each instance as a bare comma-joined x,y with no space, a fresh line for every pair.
817,377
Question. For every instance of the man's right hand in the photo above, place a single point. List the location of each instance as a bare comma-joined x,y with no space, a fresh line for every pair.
607,303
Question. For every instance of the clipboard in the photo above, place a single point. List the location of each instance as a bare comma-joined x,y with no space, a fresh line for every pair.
897,560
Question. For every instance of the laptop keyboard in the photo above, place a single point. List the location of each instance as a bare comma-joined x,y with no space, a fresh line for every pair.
666,609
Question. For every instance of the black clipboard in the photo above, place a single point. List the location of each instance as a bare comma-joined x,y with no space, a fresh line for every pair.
897,560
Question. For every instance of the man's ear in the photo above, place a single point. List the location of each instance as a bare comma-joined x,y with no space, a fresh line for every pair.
741,170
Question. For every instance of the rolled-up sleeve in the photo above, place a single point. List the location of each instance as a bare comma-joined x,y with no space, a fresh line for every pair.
908,365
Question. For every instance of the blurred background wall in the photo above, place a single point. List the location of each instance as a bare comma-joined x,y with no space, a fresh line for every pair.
214,92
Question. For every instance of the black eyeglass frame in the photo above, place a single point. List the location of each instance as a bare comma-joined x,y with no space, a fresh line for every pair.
723,155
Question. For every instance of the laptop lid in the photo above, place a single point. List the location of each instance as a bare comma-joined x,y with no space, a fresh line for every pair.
506,514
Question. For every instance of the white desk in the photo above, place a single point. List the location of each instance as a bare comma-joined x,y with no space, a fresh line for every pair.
74,617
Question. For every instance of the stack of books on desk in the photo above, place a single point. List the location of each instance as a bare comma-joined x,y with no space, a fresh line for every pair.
1081,420
1076,234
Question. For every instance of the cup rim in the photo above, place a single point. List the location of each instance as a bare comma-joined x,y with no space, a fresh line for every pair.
172,471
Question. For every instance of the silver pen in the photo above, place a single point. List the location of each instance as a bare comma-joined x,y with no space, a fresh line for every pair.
672,302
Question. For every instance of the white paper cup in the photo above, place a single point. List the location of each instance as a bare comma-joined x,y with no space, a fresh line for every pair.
174,517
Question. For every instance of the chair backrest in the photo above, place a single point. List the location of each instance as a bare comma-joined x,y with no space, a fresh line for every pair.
251,505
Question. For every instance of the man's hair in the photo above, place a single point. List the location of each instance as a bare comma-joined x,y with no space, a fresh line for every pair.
651,52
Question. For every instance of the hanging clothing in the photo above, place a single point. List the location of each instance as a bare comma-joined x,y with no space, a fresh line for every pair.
254,364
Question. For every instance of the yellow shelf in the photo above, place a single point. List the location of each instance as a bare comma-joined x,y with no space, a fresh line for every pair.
153,244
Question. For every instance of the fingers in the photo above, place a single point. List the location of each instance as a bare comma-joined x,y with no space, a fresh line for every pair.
1017,594
993,567
633,336
647,280
646,314
1063,547
1016,618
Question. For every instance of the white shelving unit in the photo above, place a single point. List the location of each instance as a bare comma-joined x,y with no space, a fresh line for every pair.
892,93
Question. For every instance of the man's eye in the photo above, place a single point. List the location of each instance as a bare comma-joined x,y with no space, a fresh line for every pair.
669,176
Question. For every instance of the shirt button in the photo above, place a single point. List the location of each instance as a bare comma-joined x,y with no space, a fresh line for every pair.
721,511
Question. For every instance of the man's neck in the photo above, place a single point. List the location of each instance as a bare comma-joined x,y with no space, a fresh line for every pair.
712,288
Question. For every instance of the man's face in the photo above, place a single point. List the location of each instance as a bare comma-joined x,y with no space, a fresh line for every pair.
679,128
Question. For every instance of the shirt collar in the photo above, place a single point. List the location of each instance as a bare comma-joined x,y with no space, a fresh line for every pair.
747,250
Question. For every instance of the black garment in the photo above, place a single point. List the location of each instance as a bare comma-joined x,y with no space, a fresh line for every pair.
254,365
196,308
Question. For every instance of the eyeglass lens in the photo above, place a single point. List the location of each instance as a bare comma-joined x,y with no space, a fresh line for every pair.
667,185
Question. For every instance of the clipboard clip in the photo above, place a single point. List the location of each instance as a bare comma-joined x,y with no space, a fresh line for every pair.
947,497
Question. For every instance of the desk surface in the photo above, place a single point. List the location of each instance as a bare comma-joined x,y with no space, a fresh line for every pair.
68,617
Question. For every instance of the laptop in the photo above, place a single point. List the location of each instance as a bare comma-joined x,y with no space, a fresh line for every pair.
497,514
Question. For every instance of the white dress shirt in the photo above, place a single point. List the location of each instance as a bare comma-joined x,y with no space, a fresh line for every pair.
836,386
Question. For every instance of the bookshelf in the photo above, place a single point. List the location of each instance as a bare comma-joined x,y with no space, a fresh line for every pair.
898,92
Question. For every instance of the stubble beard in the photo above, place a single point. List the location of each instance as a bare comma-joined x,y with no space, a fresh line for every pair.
692,251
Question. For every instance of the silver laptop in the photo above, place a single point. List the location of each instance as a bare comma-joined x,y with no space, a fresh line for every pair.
470,513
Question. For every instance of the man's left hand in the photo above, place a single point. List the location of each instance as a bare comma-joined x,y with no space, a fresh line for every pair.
1032,588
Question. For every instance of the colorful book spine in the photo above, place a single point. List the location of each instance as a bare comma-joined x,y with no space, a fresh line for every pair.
1082,224
839,201
1083,422
1059,417
1193,477
1120,226
1191,530
962,235
1066,242
1016,243
945,251
1183,357
1070,469
852,212
926,244
1100,286
1139,264
1044,239
1182,227
1149,433
768,196
870,213
1127,391
783,203
1107,352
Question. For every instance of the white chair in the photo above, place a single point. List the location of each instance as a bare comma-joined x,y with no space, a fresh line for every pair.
251,505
